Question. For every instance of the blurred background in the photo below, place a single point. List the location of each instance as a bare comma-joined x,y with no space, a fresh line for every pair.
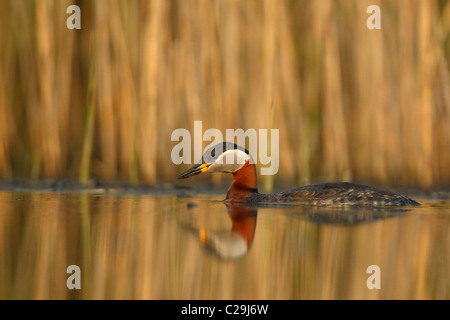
101,102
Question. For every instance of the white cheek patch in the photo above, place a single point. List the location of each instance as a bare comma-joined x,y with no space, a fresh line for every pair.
230,161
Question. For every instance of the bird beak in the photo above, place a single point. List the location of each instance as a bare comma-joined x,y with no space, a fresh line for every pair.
198,168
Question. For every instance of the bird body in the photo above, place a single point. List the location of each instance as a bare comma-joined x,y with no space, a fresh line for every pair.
244,186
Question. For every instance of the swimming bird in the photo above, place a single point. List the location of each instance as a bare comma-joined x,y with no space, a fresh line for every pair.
244,186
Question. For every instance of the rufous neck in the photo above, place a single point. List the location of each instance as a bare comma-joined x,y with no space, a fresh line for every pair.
244,183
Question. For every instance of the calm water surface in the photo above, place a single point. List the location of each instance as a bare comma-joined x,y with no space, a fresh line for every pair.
168,247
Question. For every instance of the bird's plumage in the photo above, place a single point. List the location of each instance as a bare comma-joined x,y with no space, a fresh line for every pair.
244,186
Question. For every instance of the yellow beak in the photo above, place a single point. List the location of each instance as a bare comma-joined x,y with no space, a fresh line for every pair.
197,169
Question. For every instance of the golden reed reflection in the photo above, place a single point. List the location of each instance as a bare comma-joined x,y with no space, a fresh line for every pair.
135,247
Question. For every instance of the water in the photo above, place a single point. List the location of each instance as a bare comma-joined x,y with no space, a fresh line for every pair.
162,246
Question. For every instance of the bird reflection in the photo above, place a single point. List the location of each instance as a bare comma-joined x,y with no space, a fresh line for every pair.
233,243
345,216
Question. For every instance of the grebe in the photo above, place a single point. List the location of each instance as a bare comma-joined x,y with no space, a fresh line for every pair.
244,186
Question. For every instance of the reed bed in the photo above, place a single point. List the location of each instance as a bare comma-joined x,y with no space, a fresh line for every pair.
350,103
